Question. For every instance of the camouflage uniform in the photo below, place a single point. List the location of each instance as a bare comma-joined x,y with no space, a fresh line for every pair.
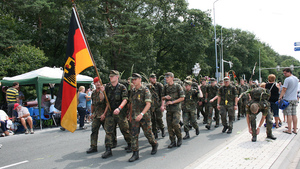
227,94
212,91
203,107
115,97
260,96
173,111
98,107
189,108
243,100
138,99
156,113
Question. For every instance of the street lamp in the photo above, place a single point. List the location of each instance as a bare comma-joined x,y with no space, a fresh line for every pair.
196,69
217,77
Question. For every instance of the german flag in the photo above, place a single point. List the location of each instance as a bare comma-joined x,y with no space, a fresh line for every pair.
78,59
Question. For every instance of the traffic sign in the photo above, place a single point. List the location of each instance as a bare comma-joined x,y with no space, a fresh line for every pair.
297,44
297,48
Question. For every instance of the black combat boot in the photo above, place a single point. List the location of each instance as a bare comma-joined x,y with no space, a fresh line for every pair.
107,153
254,138
187,135
154,149
229,131
197,131
163,132
207,126
271,137
179,142
128,148
224,129
92,150
173,144
217,124
135,156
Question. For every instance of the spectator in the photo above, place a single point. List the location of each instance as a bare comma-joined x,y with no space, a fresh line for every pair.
273,87
55,113
24,116
289,93
12,97
5,123
45,101
88,105
81,107
21,96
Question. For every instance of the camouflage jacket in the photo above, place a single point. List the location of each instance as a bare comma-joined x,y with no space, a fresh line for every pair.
176,92
115,95
228,94
138,99
203,89
98,106
156,93
212,91
191,99
243,88
259,94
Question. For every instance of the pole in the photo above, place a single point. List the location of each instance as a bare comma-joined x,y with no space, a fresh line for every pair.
216,51
259,70
222,66
88,46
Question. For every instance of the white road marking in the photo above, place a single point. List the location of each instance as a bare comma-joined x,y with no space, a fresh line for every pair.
11,165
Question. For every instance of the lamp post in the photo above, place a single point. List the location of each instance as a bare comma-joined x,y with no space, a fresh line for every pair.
259,70
217,77
221,54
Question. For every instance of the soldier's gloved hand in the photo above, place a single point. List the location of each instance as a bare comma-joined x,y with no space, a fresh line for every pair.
250,130
257,131
116,111
102,117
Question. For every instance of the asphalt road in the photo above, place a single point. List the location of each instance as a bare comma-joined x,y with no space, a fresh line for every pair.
53,148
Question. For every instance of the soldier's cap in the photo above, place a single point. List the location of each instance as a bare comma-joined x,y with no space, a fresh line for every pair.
136,76
221,81
169,74
188,78
226,79
114,73
152,75
212,79
254,108
96,79
188,82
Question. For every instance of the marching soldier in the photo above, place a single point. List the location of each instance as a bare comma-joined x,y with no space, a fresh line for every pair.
211,100
98,107
189,108
117,96
140,116
243,99
227,102
259,103
173,95
202,105
156,113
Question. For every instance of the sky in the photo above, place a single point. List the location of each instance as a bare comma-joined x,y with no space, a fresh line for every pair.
274,22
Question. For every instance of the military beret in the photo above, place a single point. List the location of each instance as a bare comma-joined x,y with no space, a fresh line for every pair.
169,74
114,73
152,75
188,82
136,75
226,79
212,79
96,79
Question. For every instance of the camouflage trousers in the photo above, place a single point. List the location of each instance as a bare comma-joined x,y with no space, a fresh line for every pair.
95,131
269,119
203,110
210,108
156,119
110,125
145,124
223,111
173,119
242,107
189,117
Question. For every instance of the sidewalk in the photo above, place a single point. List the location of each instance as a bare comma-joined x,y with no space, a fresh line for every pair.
265,153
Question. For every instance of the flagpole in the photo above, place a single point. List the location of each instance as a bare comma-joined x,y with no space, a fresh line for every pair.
88,47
